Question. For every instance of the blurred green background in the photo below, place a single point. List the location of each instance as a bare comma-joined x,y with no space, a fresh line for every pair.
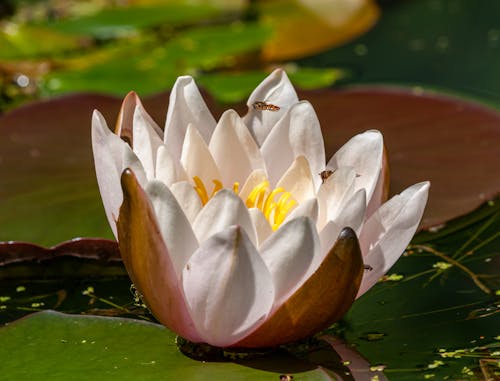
109,46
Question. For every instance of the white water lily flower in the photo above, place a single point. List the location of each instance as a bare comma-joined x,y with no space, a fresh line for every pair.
237,232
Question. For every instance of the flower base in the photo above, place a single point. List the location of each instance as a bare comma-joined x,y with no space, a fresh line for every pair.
207,352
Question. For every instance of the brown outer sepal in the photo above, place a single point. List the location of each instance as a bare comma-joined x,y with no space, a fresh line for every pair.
125,121
147,261
323,299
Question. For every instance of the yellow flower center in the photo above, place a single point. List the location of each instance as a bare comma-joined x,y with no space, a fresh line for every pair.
262,197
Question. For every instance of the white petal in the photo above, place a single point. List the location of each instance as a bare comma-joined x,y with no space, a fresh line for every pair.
174,226
262,227
187,198
223,210
297,133
389,230
186,106
277,90
125,120
351,215
146,140
108,152
291,255
228,288
111,156
197,159
131,161
364,152
333,193
298,181
256,177
308,208
168,170
227,150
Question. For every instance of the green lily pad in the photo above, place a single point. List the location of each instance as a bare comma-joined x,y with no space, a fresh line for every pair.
156,63
16,42
55,346
436,315
121,21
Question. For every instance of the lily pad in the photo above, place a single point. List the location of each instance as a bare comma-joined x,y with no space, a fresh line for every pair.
120,21
49,194
61,347
303,28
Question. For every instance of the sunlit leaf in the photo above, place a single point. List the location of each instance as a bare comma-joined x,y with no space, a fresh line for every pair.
22,41
122,21
146,66
61,347
305,27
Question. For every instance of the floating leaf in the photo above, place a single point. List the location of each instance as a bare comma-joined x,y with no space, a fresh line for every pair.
302,28
48,192
17,42
156,64
123,21
61,347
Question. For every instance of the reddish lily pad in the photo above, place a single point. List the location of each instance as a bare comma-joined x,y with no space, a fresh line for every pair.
451,142
48,191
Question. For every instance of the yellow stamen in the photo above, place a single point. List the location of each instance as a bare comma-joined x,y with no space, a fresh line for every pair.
218,186
260,197
201,190
255,193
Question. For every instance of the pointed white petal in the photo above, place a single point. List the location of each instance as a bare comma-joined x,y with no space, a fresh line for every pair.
223,210
256,177
186,106
174,226
227,150
187,198
262,227
125,120
130,160
308,208
277,90
389,230
146,140
297,180
111,156
291,255
228,288
351,215
168,170
364,152
108,153
333,193
297,133
197,159
249,144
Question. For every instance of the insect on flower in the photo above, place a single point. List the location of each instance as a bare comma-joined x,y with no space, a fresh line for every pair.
325,174
263,106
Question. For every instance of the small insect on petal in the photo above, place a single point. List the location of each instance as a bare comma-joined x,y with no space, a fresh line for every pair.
325,174
263,106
